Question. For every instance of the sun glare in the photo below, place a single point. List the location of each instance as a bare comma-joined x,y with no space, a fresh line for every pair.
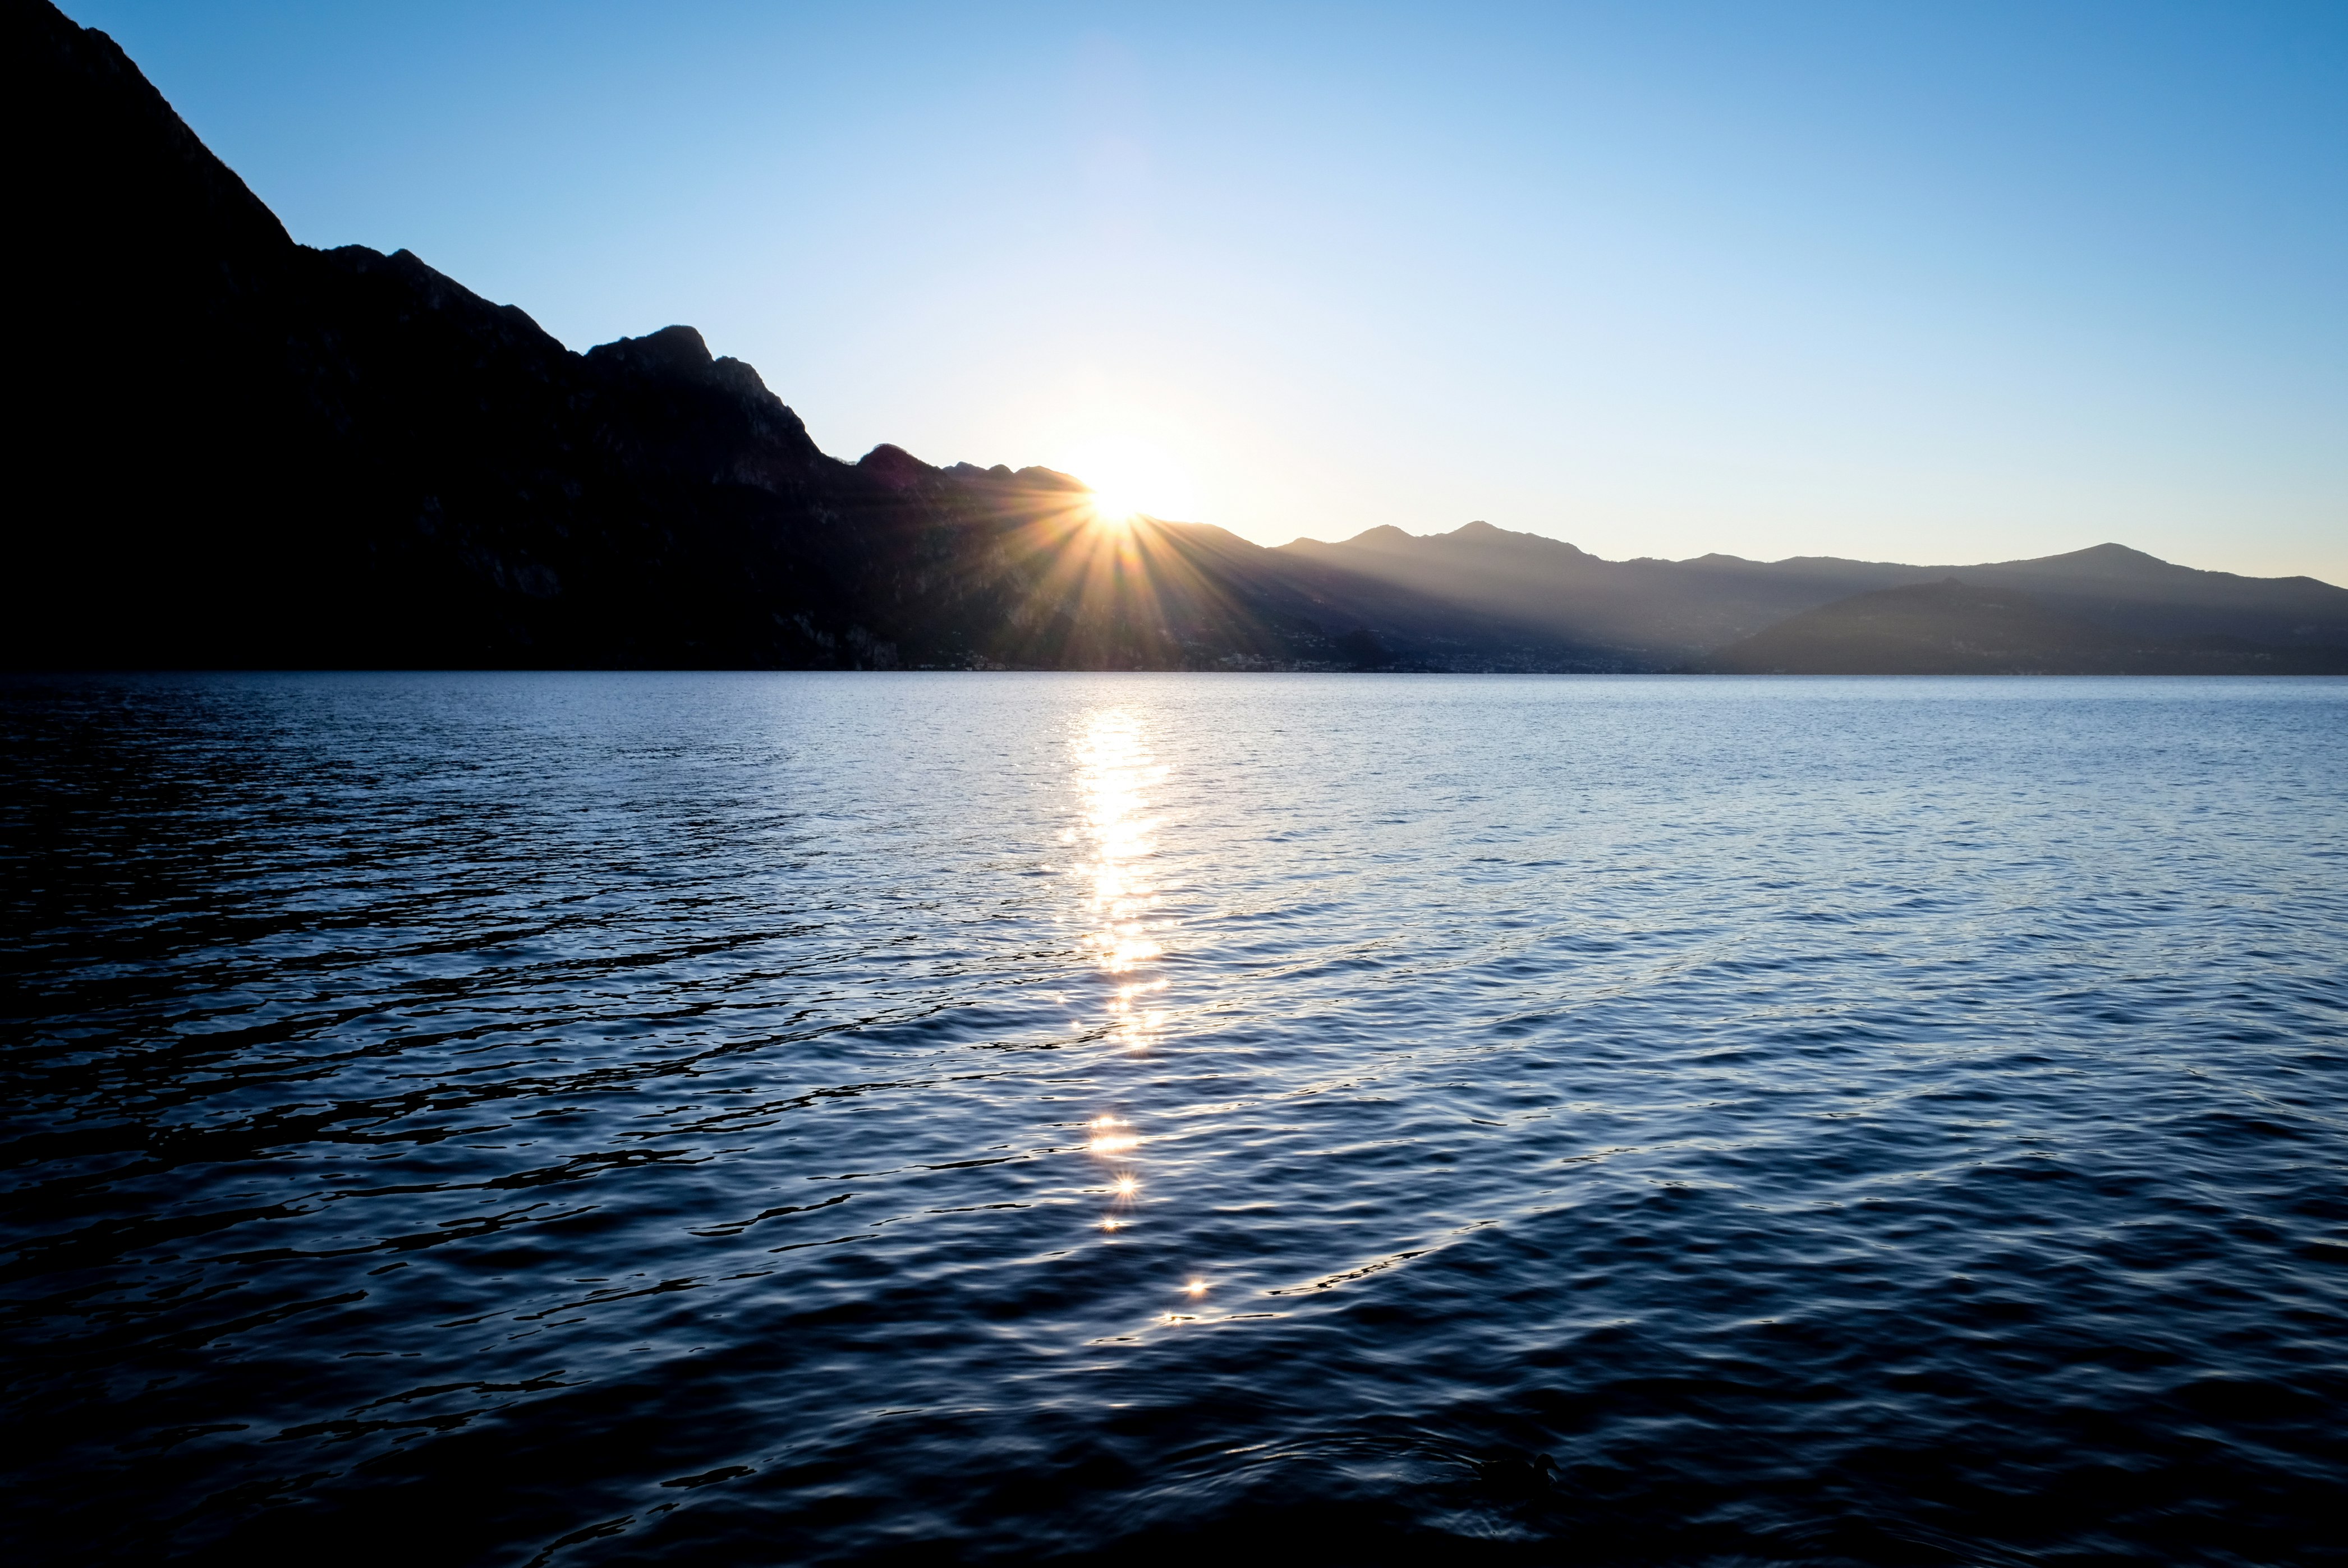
1111,508
1130,478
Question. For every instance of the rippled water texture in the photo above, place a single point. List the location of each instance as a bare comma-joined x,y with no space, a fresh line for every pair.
788,1119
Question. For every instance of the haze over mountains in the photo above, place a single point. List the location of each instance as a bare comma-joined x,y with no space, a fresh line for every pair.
1677,613
243,451
1959,627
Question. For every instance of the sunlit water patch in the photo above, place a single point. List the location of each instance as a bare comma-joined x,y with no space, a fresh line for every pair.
784,1119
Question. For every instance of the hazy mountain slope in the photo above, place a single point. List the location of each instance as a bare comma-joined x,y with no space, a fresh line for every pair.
1418,628
2128,591
1674,610
1951,627
1654,612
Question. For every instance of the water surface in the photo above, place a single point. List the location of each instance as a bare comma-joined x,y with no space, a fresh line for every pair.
789,1119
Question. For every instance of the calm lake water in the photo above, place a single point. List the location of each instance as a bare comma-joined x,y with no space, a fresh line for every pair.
745,1119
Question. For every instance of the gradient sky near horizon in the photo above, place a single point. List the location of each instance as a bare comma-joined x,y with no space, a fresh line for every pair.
1930,282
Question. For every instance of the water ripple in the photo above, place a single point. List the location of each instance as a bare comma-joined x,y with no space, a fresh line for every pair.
569,1119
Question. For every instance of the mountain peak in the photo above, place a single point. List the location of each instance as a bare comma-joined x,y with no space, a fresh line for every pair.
675,350
2105,558
893,466
1386,538
1485,535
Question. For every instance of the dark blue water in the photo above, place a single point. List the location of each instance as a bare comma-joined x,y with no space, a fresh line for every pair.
792,1119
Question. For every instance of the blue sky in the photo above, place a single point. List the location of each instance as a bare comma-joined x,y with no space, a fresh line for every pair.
1907,282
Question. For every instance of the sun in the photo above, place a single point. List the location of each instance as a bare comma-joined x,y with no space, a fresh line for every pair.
1114,509
1131,478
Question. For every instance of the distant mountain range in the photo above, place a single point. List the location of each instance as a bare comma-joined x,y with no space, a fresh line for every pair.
1673,613
231,449
1954,627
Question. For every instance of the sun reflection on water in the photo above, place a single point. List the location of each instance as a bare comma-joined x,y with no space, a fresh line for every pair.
1115,772
1114,769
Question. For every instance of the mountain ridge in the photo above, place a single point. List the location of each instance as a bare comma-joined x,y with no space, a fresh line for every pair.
245,452
1674,610
251,452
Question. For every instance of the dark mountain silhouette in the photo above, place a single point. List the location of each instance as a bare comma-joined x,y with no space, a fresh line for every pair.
1670,611
239,450
1961,628
231,449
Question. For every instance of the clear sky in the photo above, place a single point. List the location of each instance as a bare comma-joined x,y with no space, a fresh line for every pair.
1935,283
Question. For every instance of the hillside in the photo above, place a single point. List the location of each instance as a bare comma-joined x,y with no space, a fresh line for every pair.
1953,627
1671,611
